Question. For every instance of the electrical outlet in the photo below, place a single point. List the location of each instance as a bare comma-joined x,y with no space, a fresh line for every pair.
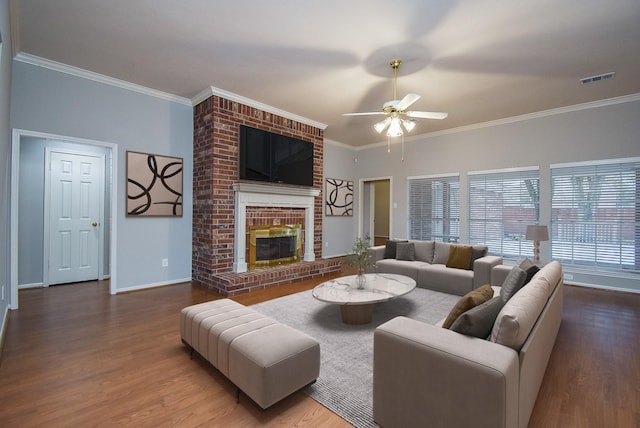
165,262
568,276
326,244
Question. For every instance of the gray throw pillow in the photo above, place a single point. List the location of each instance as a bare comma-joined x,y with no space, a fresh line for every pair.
441,253
478,321
406,251
530,268
512,283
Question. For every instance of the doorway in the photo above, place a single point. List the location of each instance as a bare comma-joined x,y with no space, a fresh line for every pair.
31,246
375,213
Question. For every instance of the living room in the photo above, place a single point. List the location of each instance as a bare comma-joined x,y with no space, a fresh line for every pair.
46,99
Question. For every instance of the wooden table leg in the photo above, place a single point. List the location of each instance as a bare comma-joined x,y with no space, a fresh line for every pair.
357,314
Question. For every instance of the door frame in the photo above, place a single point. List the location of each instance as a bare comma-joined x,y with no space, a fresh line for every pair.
361,213
47,211
17,135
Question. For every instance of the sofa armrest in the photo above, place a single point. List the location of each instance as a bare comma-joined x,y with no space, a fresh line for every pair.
377,252
482,269
429,376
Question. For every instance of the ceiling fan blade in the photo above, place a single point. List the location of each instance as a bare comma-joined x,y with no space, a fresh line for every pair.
427,114
368,113
407,101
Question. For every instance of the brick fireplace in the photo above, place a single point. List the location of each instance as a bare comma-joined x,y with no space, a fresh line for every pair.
224,208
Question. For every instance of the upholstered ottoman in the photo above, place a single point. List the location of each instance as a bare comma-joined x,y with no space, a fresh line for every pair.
265,359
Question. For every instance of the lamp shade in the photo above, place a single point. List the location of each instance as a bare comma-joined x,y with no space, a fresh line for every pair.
537,232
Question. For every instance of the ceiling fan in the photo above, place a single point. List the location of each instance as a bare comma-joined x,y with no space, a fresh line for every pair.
394,109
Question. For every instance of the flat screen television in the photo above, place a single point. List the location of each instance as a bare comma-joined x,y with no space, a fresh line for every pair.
265,156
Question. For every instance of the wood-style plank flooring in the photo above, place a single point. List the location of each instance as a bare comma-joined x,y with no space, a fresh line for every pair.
74,356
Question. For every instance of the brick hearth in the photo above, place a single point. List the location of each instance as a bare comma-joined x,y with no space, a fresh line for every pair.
215,171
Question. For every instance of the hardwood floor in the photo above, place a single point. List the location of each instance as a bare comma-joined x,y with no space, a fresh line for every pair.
76,356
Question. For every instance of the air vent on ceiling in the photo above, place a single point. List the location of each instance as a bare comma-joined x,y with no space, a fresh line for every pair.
597,78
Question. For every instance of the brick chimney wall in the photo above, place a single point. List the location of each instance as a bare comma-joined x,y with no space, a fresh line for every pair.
215,171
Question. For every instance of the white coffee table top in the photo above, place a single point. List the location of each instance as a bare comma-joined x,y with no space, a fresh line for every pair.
379,287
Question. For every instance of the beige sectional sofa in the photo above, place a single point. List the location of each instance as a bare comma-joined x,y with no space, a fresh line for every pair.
426,375
429,264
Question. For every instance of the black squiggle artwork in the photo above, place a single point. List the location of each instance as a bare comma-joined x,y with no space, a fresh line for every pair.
154,185
339,197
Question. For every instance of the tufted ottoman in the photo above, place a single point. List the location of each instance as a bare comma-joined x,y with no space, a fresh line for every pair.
265,359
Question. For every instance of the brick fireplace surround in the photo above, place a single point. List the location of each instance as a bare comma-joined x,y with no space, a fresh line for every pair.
215,174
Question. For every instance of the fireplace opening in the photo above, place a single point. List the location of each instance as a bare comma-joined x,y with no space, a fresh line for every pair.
274,245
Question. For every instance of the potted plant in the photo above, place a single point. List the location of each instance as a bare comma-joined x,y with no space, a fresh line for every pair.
362,258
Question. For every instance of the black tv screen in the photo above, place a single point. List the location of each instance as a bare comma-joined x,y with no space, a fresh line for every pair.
265,156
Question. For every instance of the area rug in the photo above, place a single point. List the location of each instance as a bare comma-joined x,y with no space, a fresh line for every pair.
345,384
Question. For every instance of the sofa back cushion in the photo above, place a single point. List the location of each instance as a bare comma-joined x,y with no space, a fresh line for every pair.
424,251
520,313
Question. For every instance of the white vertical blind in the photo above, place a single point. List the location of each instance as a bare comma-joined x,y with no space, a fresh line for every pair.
434,208
595,214
501,205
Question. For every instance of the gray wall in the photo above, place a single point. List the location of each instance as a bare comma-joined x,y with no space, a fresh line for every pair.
56,103
5,161
338,232
605,132
31,206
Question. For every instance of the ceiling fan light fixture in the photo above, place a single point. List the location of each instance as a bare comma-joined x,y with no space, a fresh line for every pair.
409,124
380,126
395,130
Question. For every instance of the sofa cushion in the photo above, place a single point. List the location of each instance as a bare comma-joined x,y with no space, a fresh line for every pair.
441,253
478,321
424,250
530,269
512,283
460,257
478,251
405,251
520,313
390,248
468,301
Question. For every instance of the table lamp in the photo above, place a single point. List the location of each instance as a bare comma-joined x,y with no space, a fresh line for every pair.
537,233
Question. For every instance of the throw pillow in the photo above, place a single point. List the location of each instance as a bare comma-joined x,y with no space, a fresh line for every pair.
478,321
460,257
512,283
390,248
406,251
468,301
440,253
478,252
530,268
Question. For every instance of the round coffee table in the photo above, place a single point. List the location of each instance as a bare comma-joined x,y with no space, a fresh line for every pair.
356,304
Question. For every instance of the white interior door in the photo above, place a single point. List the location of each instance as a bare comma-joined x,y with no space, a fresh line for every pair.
75,205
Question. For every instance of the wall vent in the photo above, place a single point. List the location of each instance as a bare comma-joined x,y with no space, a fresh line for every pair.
597,78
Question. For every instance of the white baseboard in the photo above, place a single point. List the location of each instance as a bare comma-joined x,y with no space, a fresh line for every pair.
32,285
153,285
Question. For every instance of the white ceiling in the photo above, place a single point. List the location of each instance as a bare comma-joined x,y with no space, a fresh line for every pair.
478,60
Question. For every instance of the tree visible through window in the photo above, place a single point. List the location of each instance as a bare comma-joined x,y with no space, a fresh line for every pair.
595,214
501,205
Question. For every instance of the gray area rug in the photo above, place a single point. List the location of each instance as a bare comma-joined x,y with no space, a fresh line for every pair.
345,384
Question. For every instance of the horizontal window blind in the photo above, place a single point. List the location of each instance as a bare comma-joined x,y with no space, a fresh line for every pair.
595,214
501,205
434,208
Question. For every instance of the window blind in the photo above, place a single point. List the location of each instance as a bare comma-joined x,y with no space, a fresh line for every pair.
595,214
501,205
434,208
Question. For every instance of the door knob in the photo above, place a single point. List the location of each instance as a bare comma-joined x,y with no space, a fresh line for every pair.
94,224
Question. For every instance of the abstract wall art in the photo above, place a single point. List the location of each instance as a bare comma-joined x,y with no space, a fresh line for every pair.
154,185
338,197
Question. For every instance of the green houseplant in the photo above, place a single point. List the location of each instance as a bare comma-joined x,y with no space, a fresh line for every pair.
362,258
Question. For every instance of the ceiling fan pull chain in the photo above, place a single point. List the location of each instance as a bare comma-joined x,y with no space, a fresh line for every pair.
402,156
388,144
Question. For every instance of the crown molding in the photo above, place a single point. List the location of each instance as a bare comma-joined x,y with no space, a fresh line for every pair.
537,115
97,77
212,90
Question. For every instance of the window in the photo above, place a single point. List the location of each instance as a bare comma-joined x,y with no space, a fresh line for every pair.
501,205
434,208
595,214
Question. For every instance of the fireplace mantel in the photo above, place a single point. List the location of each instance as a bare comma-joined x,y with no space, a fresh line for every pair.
265,195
